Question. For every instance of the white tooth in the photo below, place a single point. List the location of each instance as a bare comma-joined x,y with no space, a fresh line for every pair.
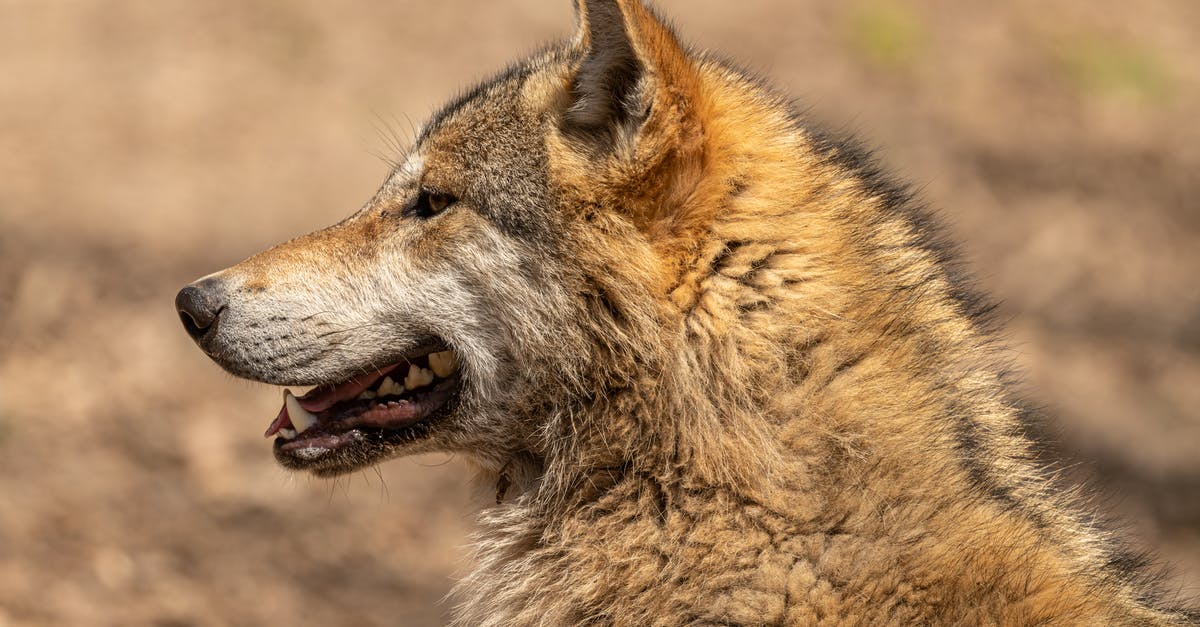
389,387
418,377
366,396
288,434
443,364
301,418
436,364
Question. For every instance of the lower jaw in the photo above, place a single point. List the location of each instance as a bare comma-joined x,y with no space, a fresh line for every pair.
321,441
331,455
337,441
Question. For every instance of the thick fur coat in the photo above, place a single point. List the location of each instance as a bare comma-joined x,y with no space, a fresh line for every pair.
719,370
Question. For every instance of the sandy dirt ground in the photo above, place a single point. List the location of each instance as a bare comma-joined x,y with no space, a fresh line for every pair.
146,143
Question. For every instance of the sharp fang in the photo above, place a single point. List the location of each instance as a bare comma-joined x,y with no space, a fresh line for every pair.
301,418
443,364
288,434
418,377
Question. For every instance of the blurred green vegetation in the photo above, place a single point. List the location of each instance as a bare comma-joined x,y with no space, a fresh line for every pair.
1102,66
887,34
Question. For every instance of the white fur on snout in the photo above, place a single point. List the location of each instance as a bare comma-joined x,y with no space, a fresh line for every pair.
309,327
319,324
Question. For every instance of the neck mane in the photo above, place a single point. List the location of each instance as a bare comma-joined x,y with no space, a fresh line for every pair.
810,357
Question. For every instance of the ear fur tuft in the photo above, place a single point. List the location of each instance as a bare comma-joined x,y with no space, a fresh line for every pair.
609,73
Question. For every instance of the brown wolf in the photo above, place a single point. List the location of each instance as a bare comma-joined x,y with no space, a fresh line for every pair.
718,368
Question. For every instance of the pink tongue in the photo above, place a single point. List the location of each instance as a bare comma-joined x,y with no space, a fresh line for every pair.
281,422
321,399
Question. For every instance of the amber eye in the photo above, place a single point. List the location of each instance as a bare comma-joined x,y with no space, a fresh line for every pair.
429,203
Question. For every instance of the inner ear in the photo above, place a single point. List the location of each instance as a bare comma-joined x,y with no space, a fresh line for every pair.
604,90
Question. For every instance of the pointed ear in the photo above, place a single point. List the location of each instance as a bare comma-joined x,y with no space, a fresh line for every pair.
630,59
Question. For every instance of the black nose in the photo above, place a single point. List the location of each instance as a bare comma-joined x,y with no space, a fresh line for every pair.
199,306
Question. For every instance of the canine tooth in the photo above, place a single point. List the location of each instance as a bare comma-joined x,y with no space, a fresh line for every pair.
302,419
418,377
389,387
444,363
288,434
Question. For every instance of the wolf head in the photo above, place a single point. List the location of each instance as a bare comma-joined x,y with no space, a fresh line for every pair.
516,266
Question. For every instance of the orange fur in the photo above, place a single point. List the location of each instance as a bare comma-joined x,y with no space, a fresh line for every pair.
719,370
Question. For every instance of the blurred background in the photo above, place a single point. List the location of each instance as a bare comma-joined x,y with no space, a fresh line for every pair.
144,143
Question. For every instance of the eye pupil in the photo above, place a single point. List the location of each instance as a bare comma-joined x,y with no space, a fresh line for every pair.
438,202
430,203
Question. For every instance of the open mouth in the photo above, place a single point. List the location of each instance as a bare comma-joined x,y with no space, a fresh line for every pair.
393,403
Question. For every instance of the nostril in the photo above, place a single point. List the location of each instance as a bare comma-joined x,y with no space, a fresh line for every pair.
199,306
191,326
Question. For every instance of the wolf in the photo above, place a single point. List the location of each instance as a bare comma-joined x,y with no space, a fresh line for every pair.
719,369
